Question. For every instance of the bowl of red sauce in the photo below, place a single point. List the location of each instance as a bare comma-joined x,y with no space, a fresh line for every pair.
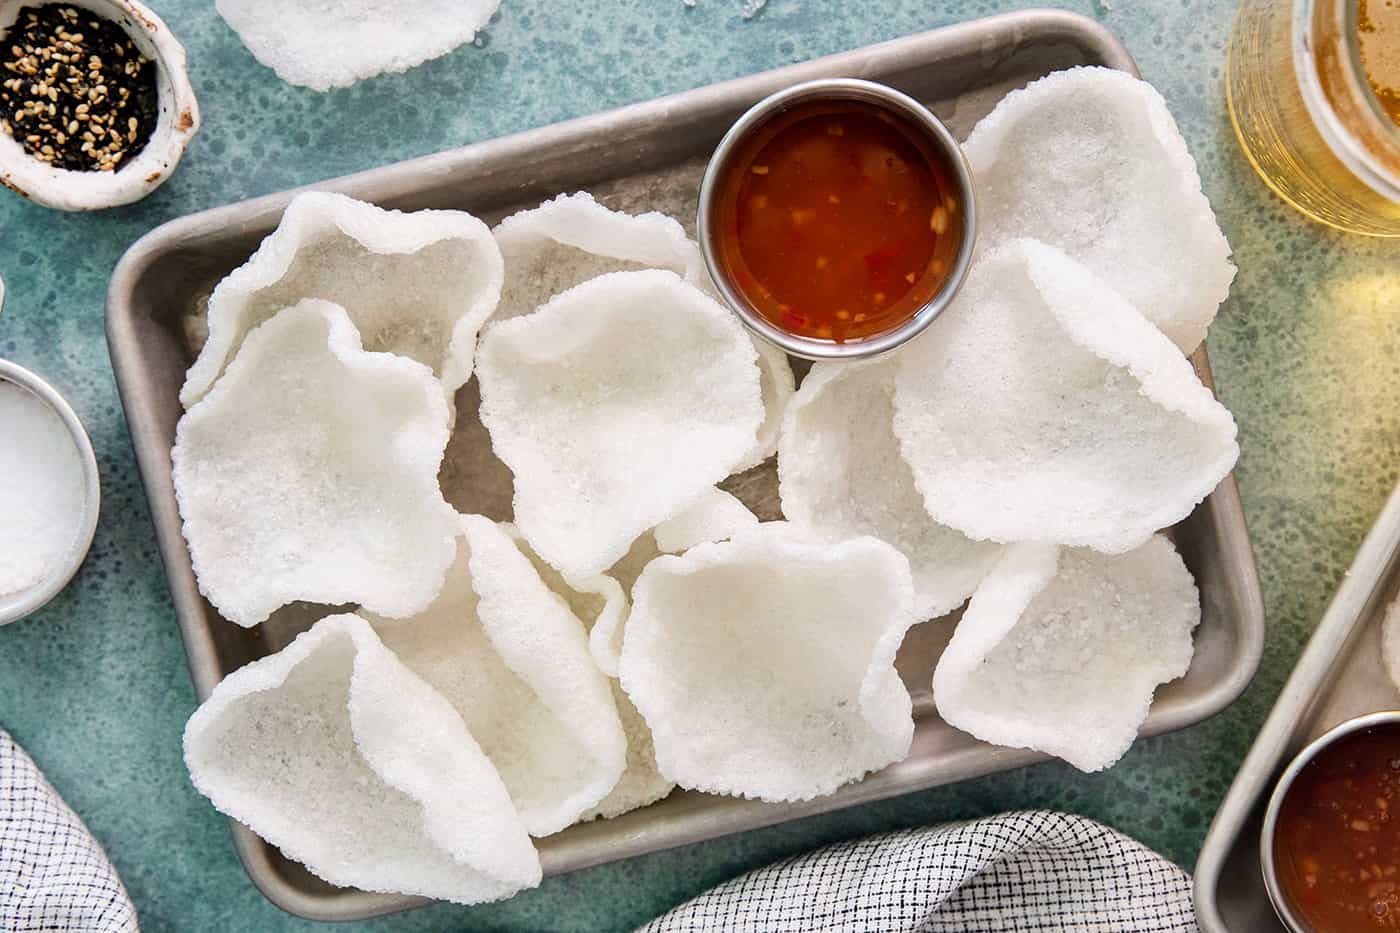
837,218
1330,846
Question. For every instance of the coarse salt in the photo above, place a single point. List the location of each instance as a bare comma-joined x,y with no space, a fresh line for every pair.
42,490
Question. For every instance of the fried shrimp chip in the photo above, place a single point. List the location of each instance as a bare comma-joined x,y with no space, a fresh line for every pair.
568,240
616,406
572,238
778,385
764,665
715,516
324,45
842,475
1043,407
1062,652
1089,160
601,607
513,661
310,473
336,753
419,285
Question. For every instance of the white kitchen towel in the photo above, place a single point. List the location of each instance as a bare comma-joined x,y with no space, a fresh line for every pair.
53,874
1031,870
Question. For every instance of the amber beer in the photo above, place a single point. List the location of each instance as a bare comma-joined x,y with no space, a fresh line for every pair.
1314,94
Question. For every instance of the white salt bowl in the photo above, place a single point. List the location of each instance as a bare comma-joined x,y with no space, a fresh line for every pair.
16,606
176,124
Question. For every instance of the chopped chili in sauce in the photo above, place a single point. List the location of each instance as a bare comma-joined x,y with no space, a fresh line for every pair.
1337,842
838,220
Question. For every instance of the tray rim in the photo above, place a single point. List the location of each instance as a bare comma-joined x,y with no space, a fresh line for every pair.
1047,25
1364,578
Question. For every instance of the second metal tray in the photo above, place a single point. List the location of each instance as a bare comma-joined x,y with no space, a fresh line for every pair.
649,156
1339,676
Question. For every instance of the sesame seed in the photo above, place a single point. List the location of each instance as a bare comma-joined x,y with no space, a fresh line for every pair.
57,80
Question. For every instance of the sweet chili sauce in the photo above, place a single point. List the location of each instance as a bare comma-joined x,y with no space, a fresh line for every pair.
838,220
1337,839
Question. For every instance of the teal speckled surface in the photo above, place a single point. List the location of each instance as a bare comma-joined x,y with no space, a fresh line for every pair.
1306,353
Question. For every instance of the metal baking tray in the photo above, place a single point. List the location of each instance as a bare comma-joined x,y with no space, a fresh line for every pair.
1340,675
646,156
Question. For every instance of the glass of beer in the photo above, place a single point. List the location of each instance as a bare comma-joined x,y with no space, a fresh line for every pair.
1314,93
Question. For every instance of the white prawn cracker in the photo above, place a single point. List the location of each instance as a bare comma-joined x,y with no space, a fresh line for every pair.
1044,408
1063,653
605,638
568,240
842,475
513,661
764,665
778,386
600,605
310,473
600,602
333,751
418,285
616,406
1090,160
597,601
324,45
717,515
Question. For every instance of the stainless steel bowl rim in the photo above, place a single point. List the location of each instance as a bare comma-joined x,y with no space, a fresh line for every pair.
18,605
839,89
1280,791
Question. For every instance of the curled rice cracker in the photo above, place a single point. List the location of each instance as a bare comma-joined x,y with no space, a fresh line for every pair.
513,660
336,753
1089,160
323,45
842,475
778,385
616,406
600,605
605,638
418,285
764,665
717,515
568,240
1062,651
310,473
1043,407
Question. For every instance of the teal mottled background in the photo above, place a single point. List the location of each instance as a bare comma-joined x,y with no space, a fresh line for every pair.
1306,353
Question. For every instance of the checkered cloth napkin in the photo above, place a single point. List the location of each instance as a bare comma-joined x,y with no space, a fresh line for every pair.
53,874
1033,870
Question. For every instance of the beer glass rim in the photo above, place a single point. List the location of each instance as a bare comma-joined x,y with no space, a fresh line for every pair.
1379,170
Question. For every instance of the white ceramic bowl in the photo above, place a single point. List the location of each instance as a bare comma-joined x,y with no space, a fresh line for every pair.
18,605
176,124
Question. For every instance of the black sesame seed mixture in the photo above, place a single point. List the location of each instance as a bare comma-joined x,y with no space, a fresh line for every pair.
74,89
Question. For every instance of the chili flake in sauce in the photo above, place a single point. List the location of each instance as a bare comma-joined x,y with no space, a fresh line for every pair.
1337,842
838,220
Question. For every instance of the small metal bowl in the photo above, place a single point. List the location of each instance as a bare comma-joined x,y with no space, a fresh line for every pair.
939,138
1266,835
18,605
